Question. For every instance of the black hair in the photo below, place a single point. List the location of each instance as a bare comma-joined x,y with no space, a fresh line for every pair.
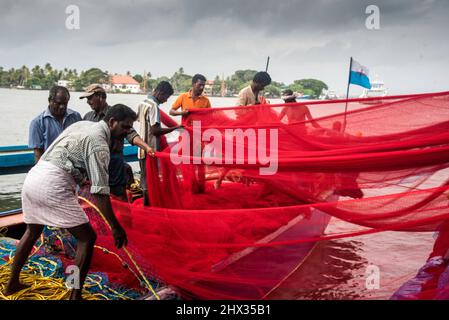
164,87
54,91
262,78
120,112
287,92
198,77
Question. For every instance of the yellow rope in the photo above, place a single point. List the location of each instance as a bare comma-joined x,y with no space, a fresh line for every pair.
36,249
124,249
40,288
48,287
124,264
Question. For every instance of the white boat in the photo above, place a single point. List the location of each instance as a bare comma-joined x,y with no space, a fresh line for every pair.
328,95
378,89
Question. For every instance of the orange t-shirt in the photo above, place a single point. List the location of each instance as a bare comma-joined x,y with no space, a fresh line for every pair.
186,102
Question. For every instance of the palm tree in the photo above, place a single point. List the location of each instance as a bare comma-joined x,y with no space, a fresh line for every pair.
48,68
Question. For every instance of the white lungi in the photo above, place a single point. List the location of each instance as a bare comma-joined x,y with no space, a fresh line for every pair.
49,198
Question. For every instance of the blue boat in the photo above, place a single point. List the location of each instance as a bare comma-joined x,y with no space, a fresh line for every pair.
20,159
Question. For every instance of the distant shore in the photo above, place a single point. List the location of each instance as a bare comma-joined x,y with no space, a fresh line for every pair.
111,92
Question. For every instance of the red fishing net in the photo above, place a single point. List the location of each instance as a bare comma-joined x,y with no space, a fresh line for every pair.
238,203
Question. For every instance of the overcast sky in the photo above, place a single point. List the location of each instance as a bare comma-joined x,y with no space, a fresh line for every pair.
305,39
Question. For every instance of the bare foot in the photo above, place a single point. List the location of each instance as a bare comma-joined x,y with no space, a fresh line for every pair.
13,288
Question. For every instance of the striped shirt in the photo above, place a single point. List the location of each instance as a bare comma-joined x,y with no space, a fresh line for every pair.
82,150
148,115
117,145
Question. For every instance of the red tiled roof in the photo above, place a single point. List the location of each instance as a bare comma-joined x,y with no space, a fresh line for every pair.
123,80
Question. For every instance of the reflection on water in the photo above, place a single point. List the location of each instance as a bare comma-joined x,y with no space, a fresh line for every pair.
338,269
10,188
334,270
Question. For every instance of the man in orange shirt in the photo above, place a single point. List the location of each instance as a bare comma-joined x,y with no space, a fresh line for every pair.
191,99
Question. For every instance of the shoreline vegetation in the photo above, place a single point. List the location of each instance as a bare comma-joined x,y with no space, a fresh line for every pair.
42,78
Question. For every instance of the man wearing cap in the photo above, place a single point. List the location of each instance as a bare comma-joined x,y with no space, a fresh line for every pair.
96,98
49,124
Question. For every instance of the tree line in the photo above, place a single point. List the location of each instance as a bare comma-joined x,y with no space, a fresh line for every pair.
45,77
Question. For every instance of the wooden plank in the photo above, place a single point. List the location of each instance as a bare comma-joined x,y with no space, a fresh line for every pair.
11,220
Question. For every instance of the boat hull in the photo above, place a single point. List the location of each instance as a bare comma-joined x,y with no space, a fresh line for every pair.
272,264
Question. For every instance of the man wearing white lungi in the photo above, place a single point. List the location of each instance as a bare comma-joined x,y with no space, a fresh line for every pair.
49,191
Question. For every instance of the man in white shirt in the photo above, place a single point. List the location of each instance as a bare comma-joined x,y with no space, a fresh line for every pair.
149,117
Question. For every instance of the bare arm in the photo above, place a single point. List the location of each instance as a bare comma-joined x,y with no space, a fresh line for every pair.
38,154
104,204
312,121
241,101
97,163
178,105
157,130
174,112
141,144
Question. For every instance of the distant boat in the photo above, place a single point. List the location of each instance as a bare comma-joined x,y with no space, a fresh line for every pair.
328,95
304,97
378,89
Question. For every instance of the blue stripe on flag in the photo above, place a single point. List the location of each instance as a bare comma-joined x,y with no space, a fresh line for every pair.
360,79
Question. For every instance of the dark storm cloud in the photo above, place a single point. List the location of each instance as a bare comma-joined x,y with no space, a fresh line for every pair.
304,38
24,20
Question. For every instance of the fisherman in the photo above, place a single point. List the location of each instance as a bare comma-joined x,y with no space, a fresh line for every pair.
120,173
252,94
248,96
49,124
149,117
194,98
49,191
297,113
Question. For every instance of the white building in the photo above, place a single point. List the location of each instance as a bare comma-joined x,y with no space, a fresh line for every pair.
64,83
124,84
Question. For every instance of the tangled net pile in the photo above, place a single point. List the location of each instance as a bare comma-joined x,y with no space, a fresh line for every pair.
380,166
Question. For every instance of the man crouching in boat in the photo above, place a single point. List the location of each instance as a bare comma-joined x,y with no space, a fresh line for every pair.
49,191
